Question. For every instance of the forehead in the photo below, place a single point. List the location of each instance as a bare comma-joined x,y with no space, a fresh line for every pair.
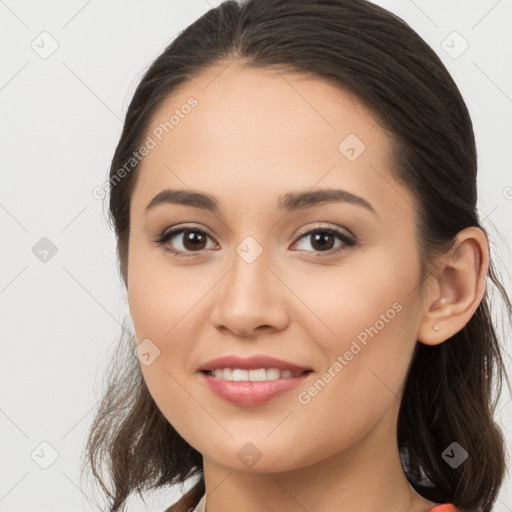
264,132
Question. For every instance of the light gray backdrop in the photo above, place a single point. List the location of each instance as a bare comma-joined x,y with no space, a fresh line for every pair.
68,70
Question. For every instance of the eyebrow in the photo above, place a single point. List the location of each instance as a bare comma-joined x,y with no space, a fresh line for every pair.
286,203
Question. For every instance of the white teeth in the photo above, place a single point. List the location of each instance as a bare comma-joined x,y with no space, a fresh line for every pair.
258,375
273,373
239,375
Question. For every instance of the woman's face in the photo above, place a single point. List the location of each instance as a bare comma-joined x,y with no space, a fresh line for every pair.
260,275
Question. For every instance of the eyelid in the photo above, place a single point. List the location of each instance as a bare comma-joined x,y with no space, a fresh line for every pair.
183,227
319,227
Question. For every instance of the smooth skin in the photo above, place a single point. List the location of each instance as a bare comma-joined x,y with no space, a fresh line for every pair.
256,135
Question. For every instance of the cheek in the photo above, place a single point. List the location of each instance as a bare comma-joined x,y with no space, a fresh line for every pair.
346,301
165,320
365,325
366,364
165,330
158,296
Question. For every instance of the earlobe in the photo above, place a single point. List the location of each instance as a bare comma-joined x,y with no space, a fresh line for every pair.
460,287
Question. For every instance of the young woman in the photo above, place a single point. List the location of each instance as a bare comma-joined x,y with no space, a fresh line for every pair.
294,201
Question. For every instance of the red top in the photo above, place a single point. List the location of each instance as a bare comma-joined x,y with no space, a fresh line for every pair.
447,507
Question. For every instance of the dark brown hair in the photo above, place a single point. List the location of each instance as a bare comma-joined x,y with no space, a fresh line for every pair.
366,50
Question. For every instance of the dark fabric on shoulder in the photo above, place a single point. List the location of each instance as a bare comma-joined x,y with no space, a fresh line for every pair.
189,500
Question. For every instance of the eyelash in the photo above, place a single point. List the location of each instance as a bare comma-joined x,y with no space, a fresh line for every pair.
167,235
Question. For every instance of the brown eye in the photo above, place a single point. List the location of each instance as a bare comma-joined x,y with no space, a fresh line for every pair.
324,240
193,240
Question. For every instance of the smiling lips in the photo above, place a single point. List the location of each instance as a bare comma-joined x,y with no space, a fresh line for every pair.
253,380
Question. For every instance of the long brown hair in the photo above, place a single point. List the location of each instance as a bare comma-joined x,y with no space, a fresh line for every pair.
362,48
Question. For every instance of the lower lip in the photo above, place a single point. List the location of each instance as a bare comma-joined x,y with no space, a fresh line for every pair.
252,393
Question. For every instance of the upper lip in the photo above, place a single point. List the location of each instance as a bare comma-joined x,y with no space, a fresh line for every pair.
251,363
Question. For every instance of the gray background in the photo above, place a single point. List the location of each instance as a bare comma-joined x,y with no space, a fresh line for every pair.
61,117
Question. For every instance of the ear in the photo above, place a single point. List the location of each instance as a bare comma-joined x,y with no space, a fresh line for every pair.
458,288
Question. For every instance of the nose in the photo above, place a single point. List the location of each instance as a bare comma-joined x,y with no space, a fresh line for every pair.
250,299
